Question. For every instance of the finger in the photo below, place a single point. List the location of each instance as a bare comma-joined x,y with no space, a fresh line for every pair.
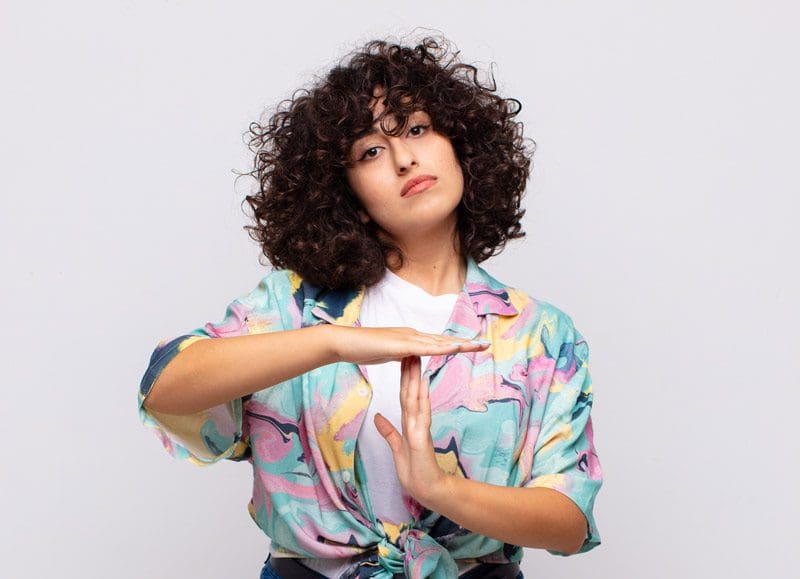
412,394
389,433
424,404
444,348
404,394
471,343
443,339
465,345
451,338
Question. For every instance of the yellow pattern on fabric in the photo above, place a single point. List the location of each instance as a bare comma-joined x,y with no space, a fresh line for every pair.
333,450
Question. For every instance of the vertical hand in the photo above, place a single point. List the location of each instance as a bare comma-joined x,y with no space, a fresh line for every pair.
413,453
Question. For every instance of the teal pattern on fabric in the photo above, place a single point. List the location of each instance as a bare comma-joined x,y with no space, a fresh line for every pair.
516,414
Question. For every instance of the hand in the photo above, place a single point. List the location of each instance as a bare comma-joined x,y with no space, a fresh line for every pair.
414,457
361,345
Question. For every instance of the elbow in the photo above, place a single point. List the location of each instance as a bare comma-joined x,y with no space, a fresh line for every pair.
574,548
166,394
151,400
577,534
150,403
569,526
156,401
564,538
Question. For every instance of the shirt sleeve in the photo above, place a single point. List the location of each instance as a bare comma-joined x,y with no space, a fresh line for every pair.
208,436
564,456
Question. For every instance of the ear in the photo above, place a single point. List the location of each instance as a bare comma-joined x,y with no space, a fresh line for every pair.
363,216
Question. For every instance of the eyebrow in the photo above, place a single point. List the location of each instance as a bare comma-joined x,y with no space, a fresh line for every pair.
365,133
373,129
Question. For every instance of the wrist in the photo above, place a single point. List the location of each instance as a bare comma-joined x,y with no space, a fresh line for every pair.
329,343
441,494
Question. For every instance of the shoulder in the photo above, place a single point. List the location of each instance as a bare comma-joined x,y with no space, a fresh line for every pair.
529,312
538,310
544,321
287,290
530,308
277,290
279,284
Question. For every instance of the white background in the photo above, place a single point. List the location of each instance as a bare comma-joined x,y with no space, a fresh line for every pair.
660,217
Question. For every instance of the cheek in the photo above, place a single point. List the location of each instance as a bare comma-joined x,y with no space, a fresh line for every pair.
447,155
364,187
455,167
458,171
354,179
356,182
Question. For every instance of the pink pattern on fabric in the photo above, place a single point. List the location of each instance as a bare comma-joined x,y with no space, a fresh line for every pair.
233,323
464,388
301,433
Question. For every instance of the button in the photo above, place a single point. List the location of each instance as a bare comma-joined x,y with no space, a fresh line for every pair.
363,391
346,476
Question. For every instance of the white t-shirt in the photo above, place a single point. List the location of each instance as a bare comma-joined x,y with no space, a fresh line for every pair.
392,302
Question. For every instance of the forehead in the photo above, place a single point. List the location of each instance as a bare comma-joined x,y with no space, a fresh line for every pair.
378,101
378,105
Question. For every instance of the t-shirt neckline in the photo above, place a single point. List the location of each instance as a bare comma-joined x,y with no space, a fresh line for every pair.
395,280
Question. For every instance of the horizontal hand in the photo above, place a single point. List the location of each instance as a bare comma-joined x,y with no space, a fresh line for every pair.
364,345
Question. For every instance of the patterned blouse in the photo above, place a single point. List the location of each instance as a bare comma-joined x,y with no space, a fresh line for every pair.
516,414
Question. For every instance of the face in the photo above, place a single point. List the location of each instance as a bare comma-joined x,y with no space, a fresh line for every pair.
384,170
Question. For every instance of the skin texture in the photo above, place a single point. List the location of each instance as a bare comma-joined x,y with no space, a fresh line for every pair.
422,225
384,163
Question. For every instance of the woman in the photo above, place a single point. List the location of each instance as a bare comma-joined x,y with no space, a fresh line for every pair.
380,190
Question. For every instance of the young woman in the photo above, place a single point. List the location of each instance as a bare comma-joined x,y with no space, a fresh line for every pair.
405,413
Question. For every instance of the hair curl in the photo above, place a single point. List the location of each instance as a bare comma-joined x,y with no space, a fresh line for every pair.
304,210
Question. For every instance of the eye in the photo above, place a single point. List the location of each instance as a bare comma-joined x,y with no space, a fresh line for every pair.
370,153
422,127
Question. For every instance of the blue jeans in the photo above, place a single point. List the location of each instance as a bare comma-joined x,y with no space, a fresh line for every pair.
267,572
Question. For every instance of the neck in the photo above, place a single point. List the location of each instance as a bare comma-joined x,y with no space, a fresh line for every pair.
432,264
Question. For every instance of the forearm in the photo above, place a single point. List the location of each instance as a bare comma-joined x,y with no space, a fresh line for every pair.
534,517
216,370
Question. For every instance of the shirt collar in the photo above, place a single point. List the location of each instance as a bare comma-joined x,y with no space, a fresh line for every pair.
484,293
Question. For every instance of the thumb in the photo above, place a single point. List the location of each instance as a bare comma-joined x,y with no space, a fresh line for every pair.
388,432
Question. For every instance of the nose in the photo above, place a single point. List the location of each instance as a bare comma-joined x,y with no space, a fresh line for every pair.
404,156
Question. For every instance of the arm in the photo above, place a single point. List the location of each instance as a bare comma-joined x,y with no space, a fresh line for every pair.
538,516
529,517
194,393
209,372
212,372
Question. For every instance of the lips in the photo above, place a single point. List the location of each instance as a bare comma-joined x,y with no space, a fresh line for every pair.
417,185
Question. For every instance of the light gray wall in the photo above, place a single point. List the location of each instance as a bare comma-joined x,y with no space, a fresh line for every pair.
659,216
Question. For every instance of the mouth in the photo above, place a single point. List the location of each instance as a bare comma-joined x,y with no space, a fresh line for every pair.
418,185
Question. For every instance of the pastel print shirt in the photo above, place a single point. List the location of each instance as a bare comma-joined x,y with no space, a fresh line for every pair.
516,414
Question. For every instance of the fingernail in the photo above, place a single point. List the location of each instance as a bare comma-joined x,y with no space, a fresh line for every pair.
481,341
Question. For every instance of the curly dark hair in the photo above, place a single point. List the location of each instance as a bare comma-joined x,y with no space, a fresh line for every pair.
304,210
